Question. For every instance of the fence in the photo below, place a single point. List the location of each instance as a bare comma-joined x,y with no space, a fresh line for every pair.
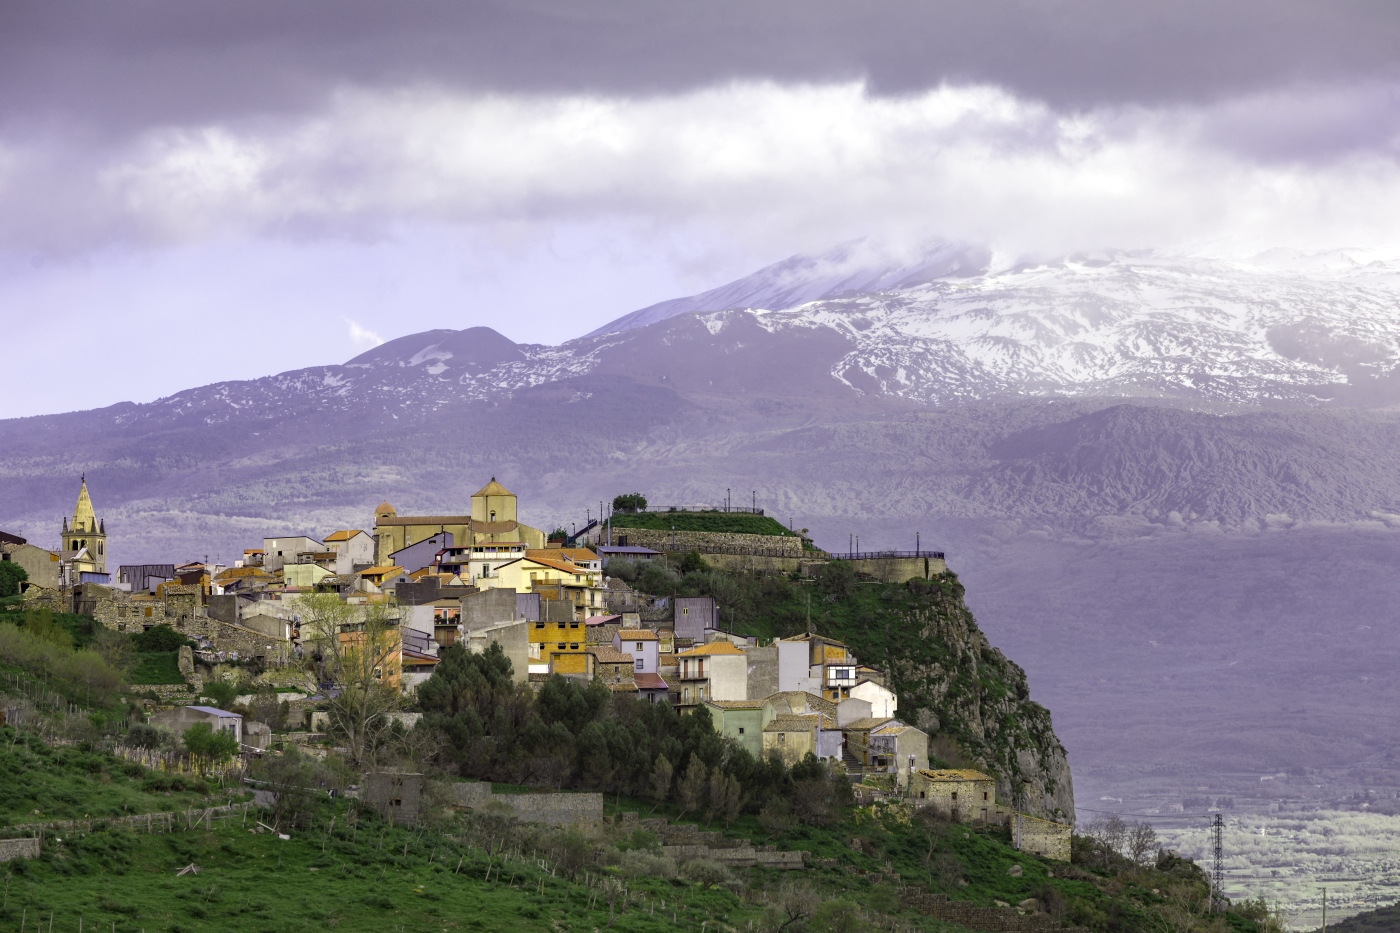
166,821
891,555
175,763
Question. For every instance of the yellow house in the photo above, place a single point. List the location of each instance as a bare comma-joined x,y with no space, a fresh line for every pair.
550,639
791,738
553,580
493,517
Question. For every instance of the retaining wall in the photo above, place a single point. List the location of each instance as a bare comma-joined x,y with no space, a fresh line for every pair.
18,848
558,809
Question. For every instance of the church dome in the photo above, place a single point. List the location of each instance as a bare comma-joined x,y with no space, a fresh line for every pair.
384,508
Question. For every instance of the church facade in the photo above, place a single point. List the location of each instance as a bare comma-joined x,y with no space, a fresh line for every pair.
493,518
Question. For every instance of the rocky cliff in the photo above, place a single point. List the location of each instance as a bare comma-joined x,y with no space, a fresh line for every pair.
972,701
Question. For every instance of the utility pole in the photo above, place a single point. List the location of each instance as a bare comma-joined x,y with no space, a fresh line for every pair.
1217,877
1324,910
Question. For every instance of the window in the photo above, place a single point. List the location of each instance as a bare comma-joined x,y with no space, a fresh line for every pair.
741,730
539,625
573,646
985,795
561,646
685,610
639,664
782,738
955,795
639,646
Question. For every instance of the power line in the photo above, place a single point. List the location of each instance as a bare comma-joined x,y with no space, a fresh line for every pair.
1217,877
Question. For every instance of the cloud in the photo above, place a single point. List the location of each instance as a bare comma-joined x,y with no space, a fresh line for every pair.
757,165
362,336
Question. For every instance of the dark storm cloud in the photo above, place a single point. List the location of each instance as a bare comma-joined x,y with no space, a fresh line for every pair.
127,65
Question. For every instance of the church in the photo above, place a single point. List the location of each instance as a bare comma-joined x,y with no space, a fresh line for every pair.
493,519
84,550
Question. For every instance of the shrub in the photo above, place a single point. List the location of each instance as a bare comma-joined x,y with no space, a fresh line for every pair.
221,693
159,638
705,872
203,739
142,735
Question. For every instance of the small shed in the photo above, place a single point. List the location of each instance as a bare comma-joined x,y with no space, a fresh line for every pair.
181,718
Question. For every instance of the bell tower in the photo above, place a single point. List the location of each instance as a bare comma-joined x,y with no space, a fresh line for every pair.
85,539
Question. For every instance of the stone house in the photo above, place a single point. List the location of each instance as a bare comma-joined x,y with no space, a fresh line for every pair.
886,746
614,668
962,793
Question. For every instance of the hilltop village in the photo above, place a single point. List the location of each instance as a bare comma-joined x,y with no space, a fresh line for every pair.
408,588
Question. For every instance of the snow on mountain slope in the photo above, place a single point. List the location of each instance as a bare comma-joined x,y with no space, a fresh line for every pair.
851,269
1131,325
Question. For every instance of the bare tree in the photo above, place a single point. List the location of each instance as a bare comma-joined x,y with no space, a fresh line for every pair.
358,649
1141,843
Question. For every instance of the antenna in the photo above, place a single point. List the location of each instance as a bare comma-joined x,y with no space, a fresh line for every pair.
1217,875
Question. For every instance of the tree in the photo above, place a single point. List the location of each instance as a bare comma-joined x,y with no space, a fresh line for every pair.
629,502
776,817
357,648
221,693
11,576
114,648
202,739
659,784
726,797
691,792
692,562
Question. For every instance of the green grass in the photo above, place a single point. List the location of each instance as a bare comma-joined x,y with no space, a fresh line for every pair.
719,522
154,668
350,880
65,783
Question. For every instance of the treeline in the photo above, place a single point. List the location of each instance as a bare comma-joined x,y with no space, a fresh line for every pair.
572,735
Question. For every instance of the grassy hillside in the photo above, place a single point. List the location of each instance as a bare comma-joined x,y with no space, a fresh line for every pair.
39,782
1383,920
718,522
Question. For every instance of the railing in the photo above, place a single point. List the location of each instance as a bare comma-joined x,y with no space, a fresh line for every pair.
732,509
888,555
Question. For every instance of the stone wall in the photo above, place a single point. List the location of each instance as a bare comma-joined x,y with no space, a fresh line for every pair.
583,810
18,848
707,542
984,919
686,842
899,569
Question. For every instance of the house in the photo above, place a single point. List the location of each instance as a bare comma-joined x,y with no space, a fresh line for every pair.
882,700
144,578
473,562
493,519
651,688
353,548
280,551
694,614
578,556
513,639
641,643
579,665
181,718
40,565
814,664
791,738
963,794
826,736
378,576
740,720
614,668
554,580
304,576
552,638
717,671
421,554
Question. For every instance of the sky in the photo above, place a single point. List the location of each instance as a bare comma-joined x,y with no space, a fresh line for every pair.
197,192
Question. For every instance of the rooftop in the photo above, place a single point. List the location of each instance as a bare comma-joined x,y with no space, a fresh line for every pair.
713,648
955,774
